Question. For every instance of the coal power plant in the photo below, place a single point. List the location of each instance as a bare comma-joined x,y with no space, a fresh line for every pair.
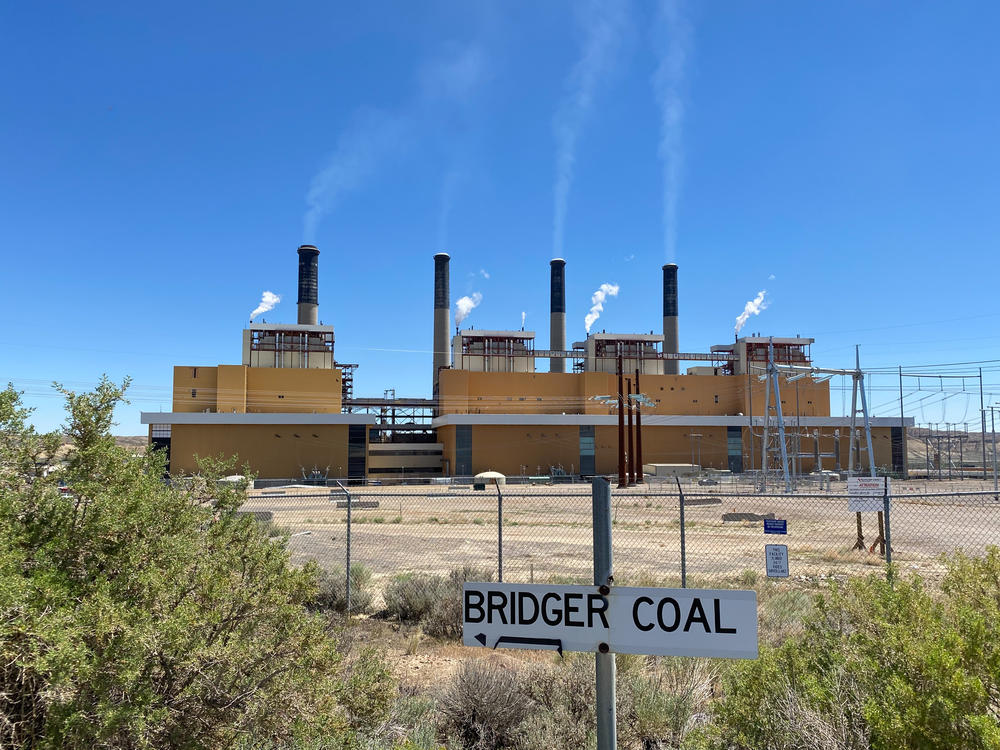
289,410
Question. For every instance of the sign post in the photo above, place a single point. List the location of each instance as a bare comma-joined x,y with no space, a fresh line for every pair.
607,719
607,619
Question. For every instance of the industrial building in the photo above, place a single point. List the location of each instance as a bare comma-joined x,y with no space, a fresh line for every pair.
289,410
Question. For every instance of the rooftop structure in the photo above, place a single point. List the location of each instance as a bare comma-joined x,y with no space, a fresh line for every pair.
494,351
600,353
753,350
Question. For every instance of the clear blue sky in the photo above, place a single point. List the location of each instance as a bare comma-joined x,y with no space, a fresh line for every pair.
161,163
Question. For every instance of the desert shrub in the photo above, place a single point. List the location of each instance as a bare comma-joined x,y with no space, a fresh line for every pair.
433,601
563,696
331,592
410,597
444,620
664,700
895,665
484,706
142,615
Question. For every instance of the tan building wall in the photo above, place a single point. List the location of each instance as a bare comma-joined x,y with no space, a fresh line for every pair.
510,448
464,392
235,388
195,388
514,449
271,450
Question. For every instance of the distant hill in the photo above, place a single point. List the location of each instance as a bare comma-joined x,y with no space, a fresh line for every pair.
137,443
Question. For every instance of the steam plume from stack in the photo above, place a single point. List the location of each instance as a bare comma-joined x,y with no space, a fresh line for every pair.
466,305
597,303
603,24
668,86
267,302
754,307
524,315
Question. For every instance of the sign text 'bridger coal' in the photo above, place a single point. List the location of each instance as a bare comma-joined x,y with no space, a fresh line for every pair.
678,622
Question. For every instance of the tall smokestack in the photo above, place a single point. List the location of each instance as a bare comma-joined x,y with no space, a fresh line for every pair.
442,315
557,313
308,284
670,342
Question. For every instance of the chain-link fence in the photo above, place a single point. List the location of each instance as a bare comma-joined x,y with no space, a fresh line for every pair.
544,534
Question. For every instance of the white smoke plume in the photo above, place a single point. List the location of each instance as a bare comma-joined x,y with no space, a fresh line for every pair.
524,316
374,138
754,307
602,25
674,43
267,302
597,303
465,305
370,140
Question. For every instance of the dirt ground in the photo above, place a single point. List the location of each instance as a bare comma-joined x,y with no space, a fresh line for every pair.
547,530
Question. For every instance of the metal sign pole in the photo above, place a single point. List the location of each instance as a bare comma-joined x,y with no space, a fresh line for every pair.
603,578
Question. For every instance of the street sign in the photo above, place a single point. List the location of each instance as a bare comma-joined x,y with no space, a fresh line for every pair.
775,526
677,622
865,494
776,560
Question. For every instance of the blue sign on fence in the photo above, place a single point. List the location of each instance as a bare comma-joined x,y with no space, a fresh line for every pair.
775,526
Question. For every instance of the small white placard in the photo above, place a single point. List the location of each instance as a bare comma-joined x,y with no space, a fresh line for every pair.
776,559
865,494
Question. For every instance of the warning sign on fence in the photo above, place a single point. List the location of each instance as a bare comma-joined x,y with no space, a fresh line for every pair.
866,494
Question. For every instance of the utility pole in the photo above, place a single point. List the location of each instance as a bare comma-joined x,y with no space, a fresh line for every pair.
982,411
753,462
638,429
622,478
902,429
630,473
993,429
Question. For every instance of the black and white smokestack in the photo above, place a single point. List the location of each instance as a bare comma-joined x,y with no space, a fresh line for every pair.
308,285
557,313
442,315
670,340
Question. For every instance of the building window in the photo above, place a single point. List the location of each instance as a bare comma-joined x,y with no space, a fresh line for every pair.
160,430
280,396
587,449
357,451
194,393
194,372
463,450
716,398
734,444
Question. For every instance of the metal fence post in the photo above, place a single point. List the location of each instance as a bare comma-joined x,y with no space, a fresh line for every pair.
684,575
888,532
347,572
607,738
499,532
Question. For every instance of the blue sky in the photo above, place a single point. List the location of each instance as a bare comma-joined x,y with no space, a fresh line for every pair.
161,163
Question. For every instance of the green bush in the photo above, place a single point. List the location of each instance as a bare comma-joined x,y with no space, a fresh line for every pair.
141,615
410,597
445,617
331,593
880,664
433,601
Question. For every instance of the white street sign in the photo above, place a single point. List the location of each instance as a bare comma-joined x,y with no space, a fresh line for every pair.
678,622
776,560
865,494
